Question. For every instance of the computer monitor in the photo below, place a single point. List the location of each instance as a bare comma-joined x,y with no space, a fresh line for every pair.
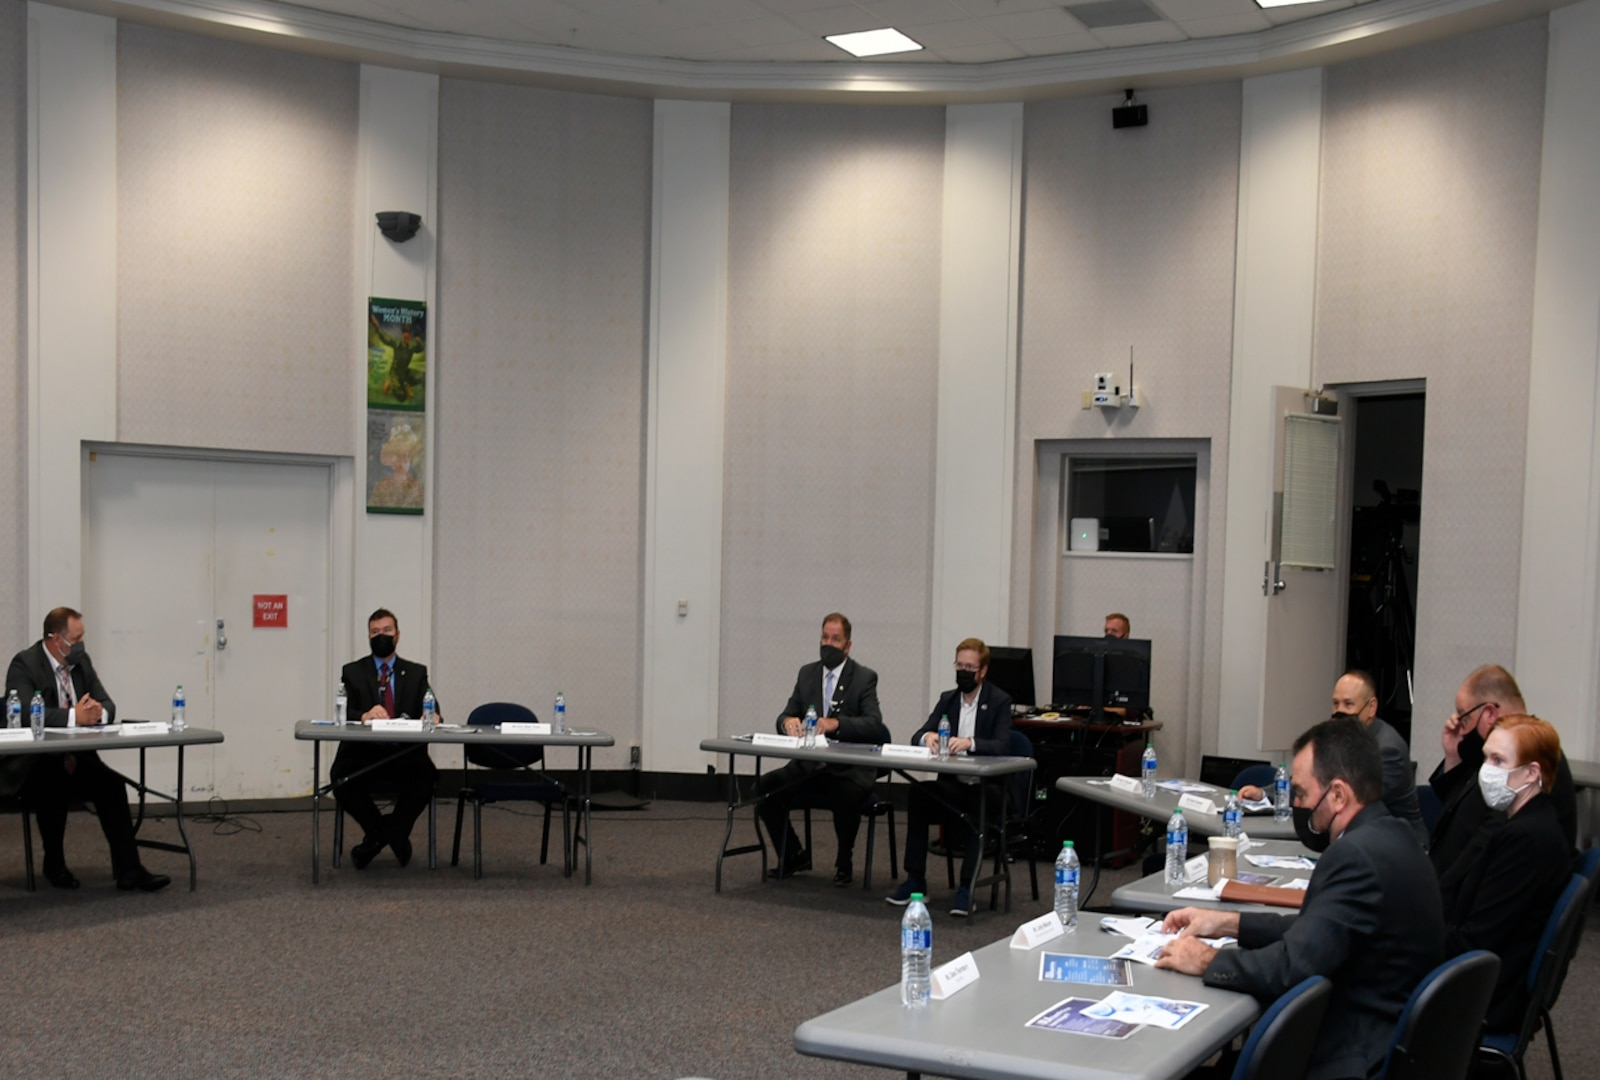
1011,669
1095,673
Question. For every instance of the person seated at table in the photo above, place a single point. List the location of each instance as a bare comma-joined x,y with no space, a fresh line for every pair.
58,669
1371,921
382,686
1117,625
1356,695
1500,891
1484,696
980,723
845,695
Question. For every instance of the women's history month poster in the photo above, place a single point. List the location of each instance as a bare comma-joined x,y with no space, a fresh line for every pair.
397,430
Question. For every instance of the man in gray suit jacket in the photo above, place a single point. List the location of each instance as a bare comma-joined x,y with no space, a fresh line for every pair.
845,695
1372,921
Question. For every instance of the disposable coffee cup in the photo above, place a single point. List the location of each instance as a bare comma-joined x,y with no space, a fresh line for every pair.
1222,859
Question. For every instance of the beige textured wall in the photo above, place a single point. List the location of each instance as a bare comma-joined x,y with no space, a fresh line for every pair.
833,315
544,208
236,189
1430,187
13,341
1129,240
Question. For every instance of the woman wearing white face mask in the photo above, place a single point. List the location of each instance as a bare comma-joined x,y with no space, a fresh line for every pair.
1500,891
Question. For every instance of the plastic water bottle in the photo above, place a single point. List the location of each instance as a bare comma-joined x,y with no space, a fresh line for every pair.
1232,816
178,722
13,710
341,705
1177,847
36,715
1147,770
808,737
916,954
1281,810
559,726
430,709
944,738
1067,885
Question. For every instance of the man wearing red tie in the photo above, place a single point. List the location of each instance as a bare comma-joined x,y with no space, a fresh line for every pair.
380,686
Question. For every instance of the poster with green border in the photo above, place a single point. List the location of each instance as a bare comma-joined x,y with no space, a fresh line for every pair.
397,354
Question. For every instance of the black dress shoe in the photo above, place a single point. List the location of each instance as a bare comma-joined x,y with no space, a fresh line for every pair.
364,852
143,880
797,865
843,876
61,877
401,847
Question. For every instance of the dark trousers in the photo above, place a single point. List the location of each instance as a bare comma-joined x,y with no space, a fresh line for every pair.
409,778
50,788
924,810
819,788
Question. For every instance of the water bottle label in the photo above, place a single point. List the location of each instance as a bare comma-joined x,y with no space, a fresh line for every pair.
1066,877
915,939
1174,838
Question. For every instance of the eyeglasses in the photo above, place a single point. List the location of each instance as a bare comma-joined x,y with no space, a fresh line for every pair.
1462,716
963,667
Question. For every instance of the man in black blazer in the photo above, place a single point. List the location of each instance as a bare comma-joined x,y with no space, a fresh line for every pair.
381,686
980,723
59,670
1371,922
845,695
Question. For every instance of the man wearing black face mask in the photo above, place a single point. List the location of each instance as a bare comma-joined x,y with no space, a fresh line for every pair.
1372,920
381,686
845,696
59,670
980,723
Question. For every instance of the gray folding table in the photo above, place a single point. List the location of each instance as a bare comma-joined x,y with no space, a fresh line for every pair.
980,1031
1152,894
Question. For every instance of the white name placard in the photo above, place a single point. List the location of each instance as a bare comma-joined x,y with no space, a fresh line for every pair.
1129,784
20,734
901,750
1197,804
388,724
1195,868
1037,931
145,727
762,738
958,973
518,727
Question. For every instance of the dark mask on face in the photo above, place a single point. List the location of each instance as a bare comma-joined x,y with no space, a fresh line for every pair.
75,654
966,681
832,656
1316,841
382,645
1343,716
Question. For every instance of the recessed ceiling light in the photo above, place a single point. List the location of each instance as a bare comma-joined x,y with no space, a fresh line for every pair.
1282,3
874,42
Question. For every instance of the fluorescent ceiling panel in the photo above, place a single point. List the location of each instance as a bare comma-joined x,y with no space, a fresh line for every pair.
874,42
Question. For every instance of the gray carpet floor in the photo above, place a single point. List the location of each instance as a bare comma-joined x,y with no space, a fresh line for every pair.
409,972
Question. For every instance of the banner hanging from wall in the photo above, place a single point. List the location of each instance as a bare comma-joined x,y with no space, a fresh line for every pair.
396,436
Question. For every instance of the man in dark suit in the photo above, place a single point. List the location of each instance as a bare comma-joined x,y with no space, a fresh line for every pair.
58,669
1371,922
1483,697
381,686
845,695
980,723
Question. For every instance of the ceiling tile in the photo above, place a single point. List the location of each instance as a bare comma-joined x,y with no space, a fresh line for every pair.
982,54
1049,22
840,19
1060,43
950,35
1145,34
901,14
1224,25
1281,15
767,30
1182,10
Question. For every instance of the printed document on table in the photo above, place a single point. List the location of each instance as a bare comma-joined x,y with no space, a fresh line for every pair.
1094,970
1068,1015
1281,862
1138,1009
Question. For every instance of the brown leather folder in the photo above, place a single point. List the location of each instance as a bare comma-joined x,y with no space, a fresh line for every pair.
1263,894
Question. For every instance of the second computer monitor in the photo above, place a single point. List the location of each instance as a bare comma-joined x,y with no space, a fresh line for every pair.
1097,673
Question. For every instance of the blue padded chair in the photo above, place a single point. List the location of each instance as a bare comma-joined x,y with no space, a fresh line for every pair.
1260,776
537,787
877,805
1019,806
1428,800
1440,1026
1280,1045
1556,947
1590,863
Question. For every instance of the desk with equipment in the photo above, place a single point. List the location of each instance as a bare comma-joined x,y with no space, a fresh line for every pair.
982,1030
901,760
318,732
1153,896
128,735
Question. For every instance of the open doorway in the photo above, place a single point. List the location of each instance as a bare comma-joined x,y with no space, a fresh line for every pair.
1386,511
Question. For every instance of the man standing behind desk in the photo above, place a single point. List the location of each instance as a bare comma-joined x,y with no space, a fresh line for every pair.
980,723
1372,921
845,695
58,669
380,686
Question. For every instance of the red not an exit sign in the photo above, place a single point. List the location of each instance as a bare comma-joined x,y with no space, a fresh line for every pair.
272,612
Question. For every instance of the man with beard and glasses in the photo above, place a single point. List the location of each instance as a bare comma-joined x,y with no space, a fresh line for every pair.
1372,919
845,695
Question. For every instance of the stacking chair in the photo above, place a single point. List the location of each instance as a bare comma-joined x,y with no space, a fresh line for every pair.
1280,1045
1556,946
1017,792
1590,863
1260,776
877,805
535,787
433,830
1440,1026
